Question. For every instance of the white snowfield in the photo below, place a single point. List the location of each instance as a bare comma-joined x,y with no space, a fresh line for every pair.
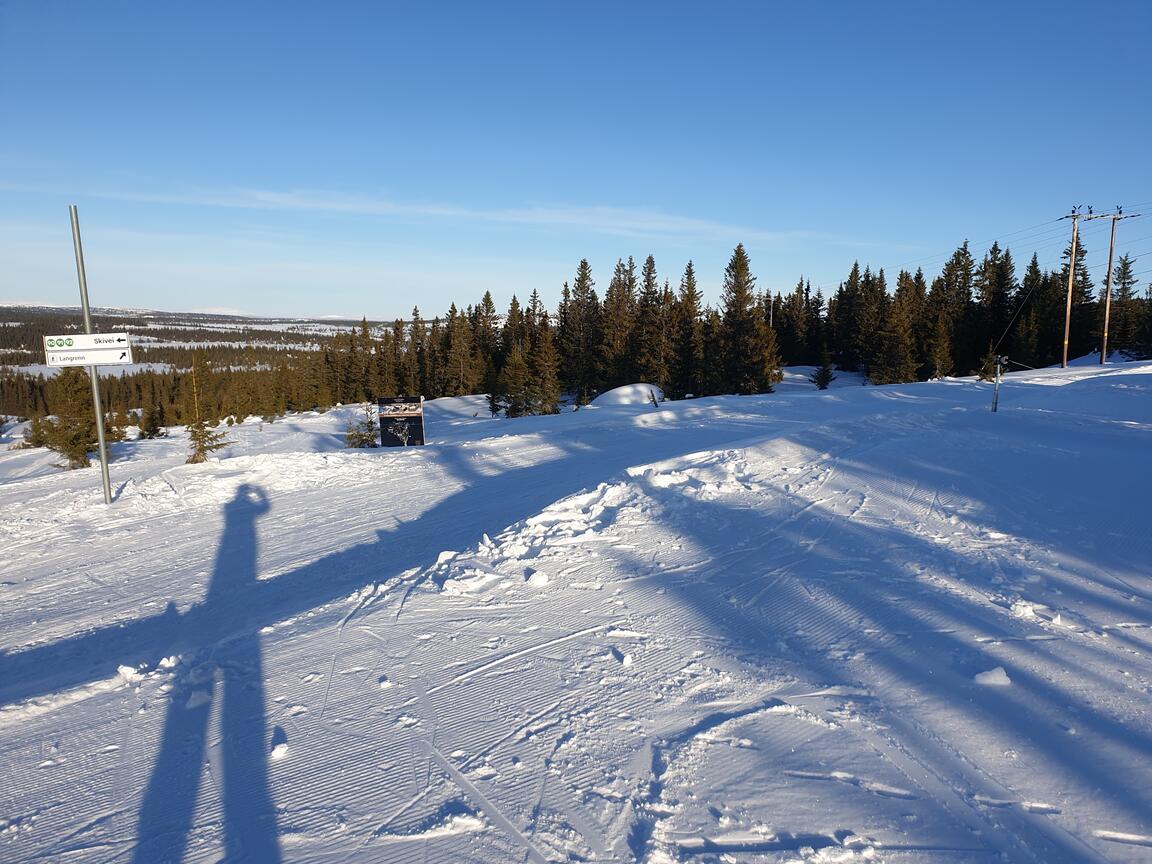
871,624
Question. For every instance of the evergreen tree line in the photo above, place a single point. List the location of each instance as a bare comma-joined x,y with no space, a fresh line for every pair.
644,329
953,326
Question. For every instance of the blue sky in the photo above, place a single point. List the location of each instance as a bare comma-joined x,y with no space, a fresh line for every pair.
359,158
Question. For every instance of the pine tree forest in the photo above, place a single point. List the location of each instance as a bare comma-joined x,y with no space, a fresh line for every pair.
530,360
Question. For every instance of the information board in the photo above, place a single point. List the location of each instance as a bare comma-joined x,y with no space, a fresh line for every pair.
88,349
401,420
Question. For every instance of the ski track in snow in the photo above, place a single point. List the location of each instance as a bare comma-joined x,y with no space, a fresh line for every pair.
734,629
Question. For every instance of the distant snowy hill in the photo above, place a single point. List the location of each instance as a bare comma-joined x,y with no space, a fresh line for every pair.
867,624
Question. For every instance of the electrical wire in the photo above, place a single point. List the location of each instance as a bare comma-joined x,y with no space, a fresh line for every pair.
930,259
1015,314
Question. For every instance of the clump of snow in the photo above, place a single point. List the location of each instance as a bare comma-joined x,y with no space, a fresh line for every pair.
535,578
630,394
279,744
994,678
130,675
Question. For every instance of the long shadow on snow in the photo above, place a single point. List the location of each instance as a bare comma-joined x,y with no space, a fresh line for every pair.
486,503
823,592
232,672
235,611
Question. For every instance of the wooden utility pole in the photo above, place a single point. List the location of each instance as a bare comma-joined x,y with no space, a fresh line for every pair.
1116,217
1074,216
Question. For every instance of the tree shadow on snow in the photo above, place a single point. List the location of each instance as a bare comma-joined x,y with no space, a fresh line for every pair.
831,582
737,605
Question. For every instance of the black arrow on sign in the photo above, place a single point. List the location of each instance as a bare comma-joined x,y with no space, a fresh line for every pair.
123,354
121,339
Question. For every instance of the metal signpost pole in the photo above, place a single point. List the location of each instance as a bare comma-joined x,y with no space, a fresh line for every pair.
95,378
1000,361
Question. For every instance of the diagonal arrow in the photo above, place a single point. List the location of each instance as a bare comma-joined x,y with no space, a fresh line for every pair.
123,354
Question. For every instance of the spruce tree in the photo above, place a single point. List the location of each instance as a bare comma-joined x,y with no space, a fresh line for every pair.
534,314
412,376
995,285
514,333
485,340
386,363
649,349
791,325
688,338
202,438
514,388
1050,311
895,361
871,317
364,432
713,376
152,423
843,321
37,432
365,369
922,324
1084,333
580,335
940,347
72,433
987,370
816,328
461,372
544,369
952,296
1024,340
751,359
619,319
824,375
1124,327
431,374
1145,340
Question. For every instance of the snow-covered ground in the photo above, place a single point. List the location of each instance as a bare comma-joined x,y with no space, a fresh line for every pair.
878,624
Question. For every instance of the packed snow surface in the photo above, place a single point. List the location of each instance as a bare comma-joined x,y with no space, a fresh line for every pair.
871,624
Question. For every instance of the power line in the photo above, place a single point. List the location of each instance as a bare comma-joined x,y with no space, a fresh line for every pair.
941,257
1140,239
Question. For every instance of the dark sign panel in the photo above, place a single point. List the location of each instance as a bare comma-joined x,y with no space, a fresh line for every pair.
401,420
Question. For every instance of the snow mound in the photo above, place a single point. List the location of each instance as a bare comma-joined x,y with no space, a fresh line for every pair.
630,394
993,678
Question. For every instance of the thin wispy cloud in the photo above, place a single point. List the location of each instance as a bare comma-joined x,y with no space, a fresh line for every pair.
603,219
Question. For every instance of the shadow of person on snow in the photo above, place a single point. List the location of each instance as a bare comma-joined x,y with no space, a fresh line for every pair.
230,674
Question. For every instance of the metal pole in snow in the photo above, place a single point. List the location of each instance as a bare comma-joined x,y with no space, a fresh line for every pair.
92,374
996,389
